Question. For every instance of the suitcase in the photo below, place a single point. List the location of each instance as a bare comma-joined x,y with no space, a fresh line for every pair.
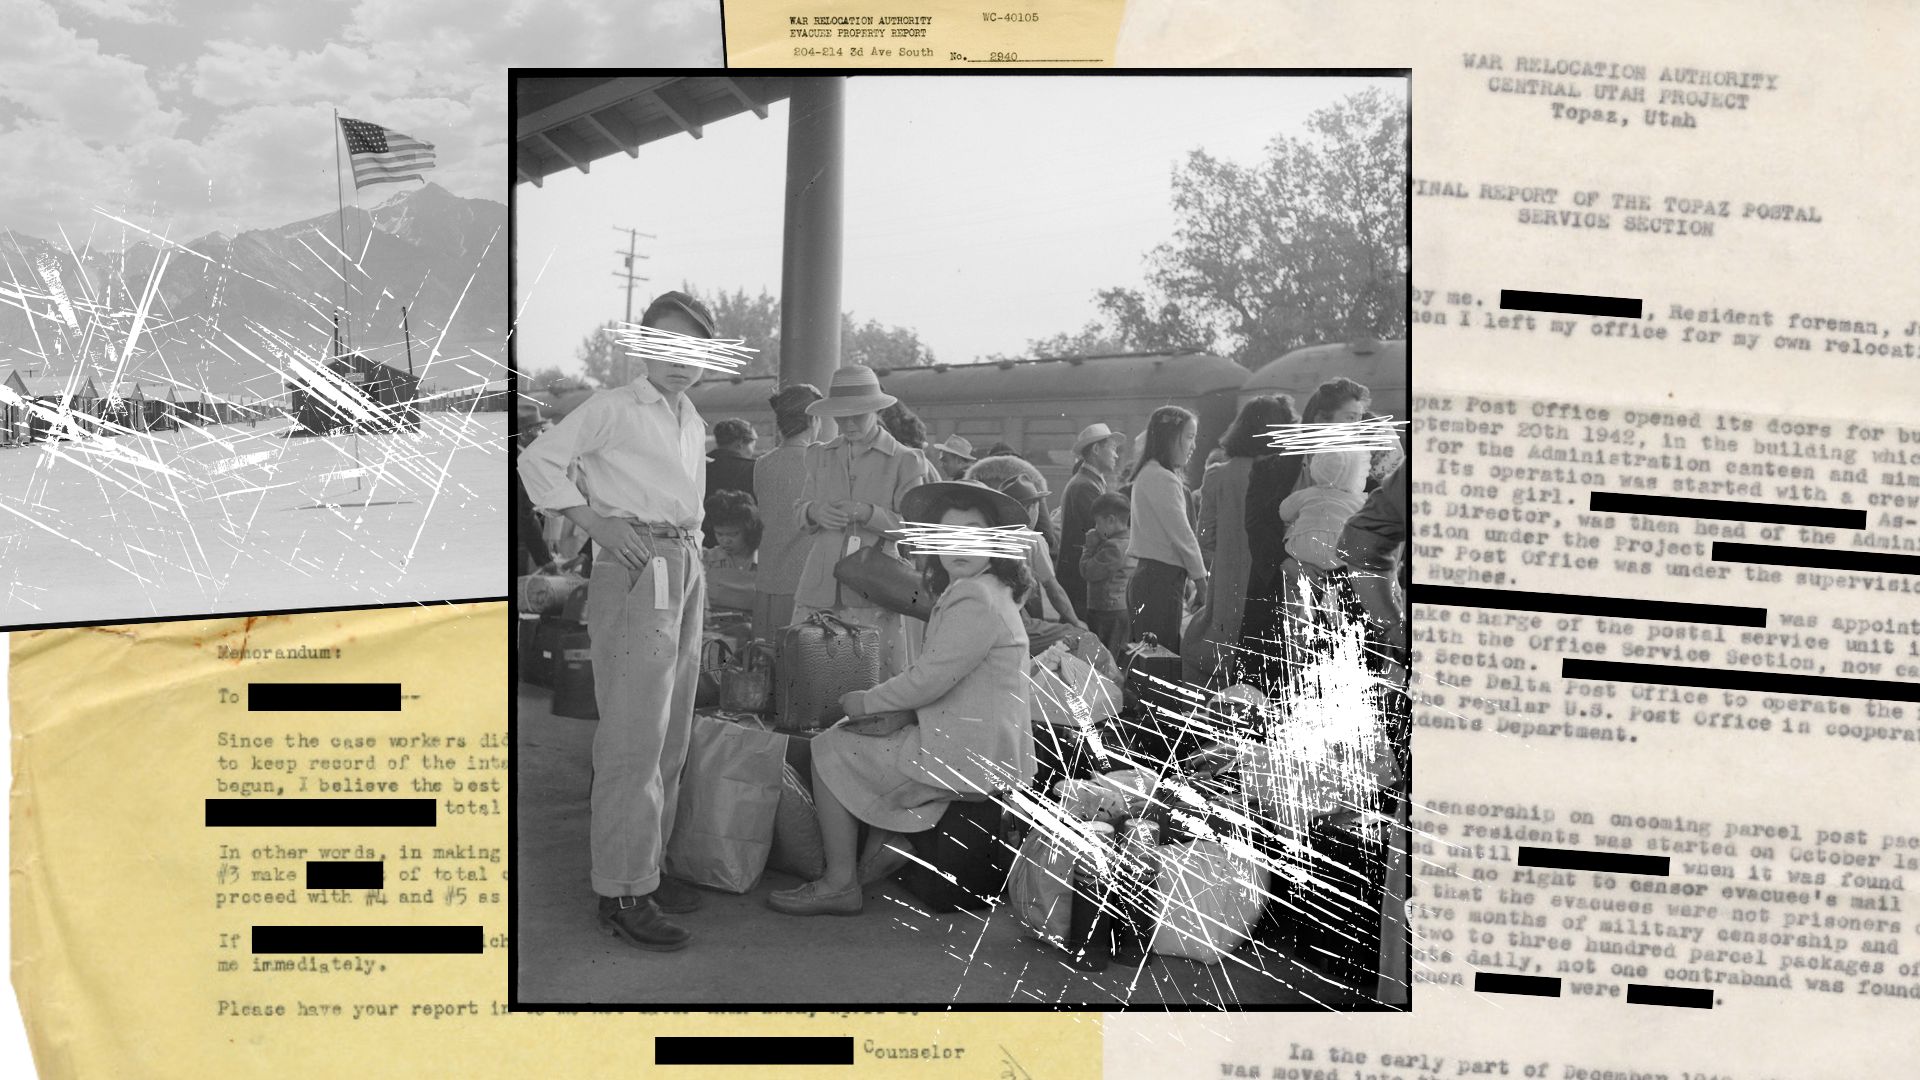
1152,675
547,636
573,677
1158,721
575,609
816,660
526,647
1341,931
970,843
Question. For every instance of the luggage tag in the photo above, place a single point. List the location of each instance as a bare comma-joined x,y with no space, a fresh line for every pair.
853,545
659,583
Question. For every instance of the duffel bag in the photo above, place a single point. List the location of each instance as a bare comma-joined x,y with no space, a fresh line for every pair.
546,593
798,847
1207,901
1040,885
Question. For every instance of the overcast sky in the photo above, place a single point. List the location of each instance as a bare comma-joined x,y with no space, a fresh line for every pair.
200,115
981,211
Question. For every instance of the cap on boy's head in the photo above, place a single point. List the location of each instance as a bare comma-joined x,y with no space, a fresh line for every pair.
677,301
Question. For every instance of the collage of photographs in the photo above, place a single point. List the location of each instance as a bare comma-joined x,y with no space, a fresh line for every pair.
960,612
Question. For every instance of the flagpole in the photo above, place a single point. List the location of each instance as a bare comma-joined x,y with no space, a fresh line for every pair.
340,202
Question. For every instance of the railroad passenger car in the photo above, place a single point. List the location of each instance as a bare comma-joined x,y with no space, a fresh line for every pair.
1036,406
1380,366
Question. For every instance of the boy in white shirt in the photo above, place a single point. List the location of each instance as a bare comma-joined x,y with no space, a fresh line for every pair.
640,451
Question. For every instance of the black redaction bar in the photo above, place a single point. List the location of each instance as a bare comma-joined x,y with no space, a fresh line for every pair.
1819,517
368,939
356,873
1618,607
296,813
1599,862
1865,562
323,697
1677,997
1613,307
768,1050
1499,982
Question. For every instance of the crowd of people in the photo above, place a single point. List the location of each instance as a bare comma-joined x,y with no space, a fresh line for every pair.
1131,549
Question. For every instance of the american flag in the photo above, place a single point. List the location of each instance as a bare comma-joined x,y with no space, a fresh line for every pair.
381,156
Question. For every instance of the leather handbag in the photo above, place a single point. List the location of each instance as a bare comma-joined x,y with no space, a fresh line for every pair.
746,683
886,582
816,660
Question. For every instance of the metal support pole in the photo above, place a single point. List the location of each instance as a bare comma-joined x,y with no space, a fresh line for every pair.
811,252
341,204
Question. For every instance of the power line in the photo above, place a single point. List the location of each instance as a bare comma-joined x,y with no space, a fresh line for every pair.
629,255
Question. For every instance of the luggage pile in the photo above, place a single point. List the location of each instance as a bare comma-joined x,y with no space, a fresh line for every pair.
1163,820
551,640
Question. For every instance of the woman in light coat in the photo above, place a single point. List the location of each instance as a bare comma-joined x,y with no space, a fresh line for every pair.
853,486
969,731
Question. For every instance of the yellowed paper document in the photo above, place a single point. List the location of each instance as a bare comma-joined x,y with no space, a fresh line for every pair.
136,923
945,33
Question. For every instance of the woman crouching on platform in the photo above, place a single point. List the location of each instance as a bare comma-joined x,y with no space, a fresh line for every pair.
968,733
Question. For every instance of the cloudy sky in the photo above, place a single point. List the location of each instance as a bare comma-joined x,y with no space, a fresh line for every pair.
197,115
982,211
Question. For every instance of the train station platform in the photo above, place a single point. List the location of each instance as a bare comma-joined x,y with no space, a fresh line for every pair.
743,953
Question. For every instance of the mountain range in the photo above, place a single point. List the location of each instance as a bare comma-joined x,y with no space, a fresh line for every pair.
442,256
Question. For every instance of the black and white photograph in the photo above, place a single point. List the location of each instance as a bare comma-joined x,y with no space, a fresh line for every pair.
959,540
253,296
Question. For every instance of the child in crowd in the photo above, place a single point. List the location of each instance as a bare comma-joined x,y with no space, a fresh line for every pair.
1315,515
732,561
1317,589
1103,565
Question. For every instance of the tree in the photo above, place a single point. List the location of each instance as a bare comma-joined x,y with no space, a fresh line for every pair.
545,379
606,363
1095,339
753,320
1306,247
1143,327
1126,324
879,346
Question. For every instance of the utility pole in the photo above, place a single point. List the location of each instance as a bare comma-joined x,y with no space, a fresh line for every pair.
629,255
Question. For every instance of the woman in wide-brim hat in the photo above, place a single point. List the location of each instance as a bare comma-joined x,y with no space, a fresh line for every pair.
848,502
855,391
970,730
